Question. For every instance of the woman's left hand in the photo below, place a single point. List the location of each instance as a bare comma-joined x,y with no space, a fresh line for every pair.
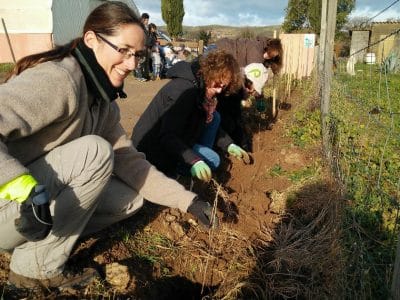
239,153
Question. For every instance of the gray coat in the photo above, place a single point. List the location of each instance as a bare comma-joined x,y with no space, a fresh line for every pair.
49,105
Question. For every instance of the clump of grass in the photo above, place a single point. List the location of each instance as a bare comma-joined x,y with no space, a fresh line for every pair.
6,67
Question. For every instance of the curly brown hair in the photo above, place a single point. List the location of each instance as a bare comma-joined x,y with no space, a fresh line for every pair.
220,66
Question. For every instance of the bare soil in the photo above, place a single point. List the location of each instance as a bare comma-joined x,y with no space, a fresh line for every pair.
188,262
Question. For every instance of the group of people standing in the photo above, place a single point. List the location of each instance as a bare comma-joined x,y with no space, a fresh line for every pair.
158,59
151,61
70,170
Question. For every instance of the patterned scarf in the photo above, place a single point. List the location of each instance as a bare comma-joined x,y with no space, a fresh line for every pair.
209,106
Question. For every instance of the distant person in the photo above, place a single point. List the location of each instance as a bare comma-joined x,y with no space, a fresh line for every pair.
268,51
150,43
170,58
142,70
67,166
156,61
180,129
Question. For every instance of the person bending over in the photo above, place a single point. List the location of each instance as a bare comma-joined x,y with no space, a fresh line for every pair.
181,127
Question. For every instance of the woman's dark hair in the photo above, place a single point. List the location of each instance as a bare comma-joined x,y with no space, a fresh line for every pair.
105,19
275,63
152,26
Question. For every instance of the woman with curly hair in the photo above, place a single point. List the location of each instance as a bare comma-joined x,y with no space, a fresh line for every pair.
255,57
180,127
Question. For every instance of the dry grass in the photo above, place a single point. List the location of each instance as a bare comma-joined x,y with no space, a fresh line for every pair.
303,259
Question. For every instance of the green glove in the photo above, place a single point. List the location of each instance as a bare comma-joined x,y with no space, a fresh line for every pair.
201,170
239,153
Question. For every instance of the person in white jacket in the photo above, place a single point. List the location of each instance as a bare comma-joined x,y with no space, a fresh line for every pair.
67,168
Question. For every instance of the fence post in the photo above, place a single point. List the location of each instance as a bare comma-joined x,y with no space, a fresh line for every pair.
274,108
322,44
327,71
395,292
8,40
201,47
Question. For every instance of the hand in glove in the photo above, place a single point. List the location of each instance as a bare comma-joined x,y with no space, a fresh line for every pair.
201,170
202,210
239,153
35,220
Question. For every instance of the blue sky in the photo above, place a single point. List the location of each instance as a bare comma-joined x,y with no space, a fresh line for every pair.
252,12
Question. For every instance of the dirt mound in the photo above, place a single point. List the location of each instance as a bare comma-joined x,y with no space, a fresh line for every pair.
162,253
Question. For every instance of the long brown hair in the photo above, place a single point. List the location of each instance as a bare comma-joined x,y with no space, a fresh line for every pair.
105,19
218,66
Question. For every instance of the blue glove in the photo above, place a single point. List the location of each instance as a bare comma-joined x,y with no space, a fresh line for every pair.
239,153
201,170
35,220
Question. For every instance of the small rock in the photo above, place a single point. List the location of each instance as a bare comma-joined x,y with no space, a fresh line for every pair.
117,275
178,230
170,218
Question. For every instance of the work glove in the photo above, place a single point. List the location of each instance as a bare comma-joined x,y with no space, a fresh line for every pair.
239,153
201,170
35,220
202,210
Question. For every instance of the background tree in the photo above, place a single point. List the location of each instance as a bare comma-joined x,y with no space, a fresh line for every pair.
296,16
305,15
359,23
172,12
204,35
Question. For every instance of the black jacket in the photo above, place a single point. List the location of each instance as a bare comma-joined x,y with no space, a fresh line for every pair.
174,120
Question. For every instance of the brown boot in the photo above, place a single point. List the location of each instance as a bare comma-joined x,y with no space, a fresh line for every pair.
62,281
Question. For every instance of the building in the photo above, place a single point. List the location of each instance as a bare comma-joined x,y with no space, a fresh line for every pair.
35,26
383,30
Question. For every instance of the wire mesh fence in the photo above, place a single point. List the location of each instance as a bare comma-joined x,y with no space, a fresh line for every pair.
364,135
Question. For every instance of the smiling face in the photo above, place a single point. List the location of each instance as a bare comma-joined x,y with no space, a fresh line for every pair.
116,65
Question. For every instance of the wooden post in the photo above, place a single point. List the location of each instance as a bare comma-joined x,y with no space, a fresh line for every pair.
274,108
201,47
396,275
327,72
8,40
322,42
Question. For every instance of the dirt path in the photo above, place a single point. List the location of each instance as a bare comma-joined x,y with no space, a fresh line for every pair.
139,96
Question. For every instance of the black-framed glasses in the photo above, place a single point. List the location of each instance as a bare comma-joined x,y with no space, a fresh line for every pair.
139,55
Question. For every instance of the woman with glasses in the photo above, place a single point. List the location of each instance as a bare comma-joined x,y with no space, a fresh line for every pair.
67,167
180,127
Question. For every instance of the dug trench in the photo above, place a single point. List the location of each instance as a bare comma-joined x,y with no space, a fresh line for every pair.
162,253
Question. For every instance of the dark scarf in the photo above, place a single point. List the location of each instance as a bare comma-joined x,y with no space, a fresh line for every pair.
96,79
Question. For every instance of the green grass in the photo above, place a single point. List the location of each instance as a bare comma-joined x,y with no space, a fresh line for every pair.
6,67
365,127
276,171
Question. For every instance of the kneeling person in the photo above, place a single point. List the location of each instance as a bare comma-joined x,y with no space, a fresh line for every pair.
180,127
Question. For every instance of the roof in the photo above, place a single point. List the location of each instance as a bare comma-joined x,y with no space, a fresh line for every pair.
387,22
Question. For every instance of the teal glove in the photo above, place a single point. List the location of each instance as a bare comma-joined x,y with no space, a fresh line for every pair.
239,153
201,170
